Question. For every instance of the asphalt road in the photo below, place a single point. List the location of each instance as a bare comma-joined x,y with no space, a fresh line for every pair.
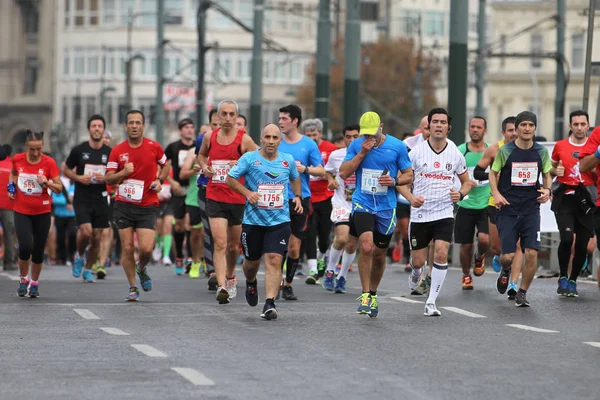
82,341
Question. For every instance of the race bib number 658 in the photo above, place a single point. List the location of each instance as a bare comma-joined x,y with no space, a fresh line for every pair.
524,173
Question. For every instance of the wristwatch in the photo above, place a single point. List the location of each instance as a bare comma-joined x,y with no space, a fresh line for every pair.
306,169
462,196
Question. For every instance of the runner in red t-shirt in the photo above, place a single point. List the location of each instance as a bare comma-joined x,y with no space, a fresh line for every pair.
219,152
32,178
319,221
133,166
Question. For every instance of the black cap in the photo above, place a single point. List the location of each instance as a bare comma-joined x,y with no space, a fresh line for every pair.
184,122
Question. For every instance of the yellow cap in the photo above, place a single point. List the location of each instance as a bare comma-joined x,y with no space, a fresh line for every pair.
369,123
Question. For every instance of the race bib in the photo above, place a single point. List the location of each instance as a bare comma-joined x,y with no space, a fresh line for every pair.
471,171
370,182
524,173
93,169
340,214
165,193
132,190
28,184
271,196
221,169
349,187
181,157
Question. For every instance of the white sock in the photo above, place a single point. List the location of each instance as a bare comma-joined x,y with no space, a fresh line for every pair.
415,271
437,281
334,257
347,259
320,255
312,264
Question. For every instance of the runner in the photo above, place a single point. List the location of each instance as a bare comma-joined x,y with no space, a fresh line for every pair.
133,166
32,178
319,223
381,163
309,163
241,123
344,245
472,211
176,153
421,134
436,164
573,204
7,216
266,227
164,226
219,151
518,195
86,166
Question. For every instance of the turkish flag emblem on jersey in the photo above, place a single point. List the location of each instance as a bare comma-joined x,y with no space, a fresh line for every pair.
285,164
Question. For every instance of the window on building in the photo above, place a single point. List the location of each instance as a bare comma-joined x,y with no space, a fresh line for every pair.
224,67
167,66
31,21
90,107
153,63
92,65
94,12
369,11
281,70
127,6
31,75
78,61
537,47
67,13
296,71
297,17
410,22
109,63
502,49
267,69
244,67
66,62
269,16
122,64
108,112
174,10
79,12
109,12
281,19
65,111
577,51
434,23
217,20
245,12
77,109
148,10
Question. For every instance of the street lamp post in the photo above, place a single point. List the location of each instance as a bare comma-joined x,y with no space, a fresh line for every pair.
103,96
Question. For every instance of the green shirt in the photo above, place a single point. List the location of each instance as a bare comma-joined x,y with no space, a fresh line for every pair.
192,196
479,196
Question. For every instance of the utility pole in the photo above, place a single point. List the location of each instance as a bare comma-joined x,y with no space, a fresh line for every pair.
159,118
480,64
337,21
588,57
257,72
418,91
352,47
559,102
322,90
203,7
388,19
457,68
128,61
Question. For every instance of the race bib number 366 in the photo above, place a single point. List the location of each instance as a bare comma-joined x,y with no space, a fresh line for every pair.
524,173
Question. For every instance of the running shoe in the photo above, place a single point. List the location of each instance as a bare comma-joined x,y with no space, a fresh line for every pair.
340,285
251,294
88,277
374,311
287,293
222,295
269,310
521,300
188,265
195,270
479,267
167,261
101,273
431,310
329,282
338,269
364,306
512,290
496,264
134,294
202,265
321,266
413,281
33,290
156,253
78,266
95,267
421,289
572,291
212,282
145,280
563,286
467,282
502,282
178,266
232,287
312,278
23,285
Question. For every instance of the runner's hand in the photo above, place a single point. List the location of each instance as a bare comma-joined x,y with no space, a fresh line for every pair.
209,172
84,179
544,196
42,180
560,169
300,168
197,169
386,180
368,144
417,202
298,205
333,185
99,177
156,186
500,201
128,168
454,196
253,197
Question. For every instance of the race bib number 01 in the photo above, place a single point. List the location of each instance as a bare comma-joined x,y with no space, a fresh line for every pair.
93,169
471,171
132,190
28,185
221,168
370,182
271,196
340,214
524,173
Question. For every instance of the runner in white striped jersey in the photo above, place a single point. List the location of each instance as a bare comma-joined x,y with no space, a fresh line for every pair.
436,163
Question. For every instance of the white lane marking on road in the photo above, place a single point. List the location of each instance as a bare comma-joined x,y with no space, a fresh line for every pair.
115,331
148,350
195,377
406,300
531,328
594,344
464,312
86,314
9,276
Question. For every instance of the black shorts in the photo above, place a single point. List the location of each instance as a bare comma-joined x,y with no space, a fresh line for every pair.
177,204
511,228
571,219
233,213
382,225
195,215
258,240
466,222
96,213
136,217
421,233
299,222
402,210
492,214
164,209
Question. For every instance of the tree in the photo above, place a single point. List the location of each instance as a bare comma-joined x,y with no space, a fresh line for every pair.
388,85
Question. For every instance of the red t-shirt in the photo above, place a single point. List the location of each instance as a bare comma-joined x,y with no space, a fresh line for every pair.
590,147
135,188
568,153
318,186
31,197
222,158
5,168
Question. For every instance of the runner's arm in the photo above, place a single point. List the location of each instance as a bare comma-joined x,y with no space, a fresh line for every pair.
318,171
114,177
466,186
70,173
494,182
187,170
405,191
203,152
486,160
55,184
234,184
588,163
163,173
405,177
